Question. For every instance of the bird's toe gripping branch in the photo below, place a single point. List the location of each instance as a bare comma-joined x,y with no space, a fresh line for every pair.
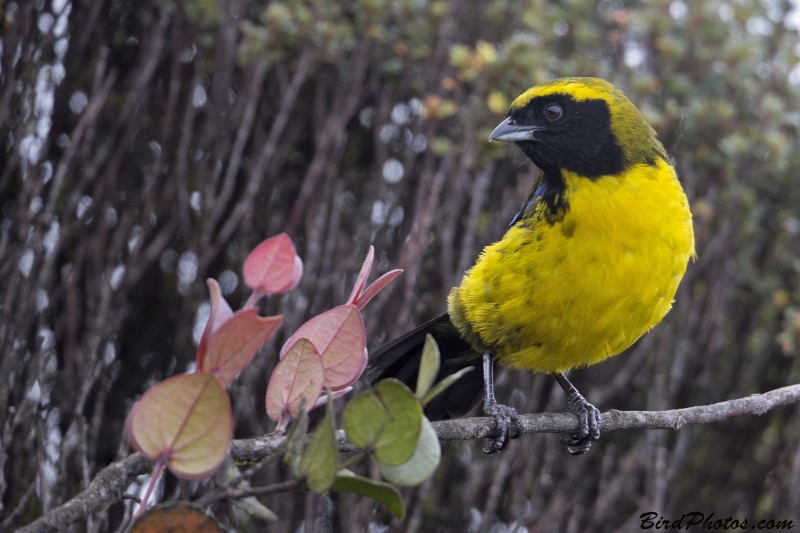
588,415
507,425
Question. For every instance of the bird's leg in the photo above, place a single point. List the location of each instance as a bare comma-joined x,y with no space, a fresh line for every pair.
505,418
588,415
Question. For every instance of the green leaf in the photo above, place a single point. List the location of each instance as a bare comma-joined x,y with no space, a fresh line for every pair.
428,366
322,455
379,491
444,384
364,418
295,440
421,465
397,442
388,419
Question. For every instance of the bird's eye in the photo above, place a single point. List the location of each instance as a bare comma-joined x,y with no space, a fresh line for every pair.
553,111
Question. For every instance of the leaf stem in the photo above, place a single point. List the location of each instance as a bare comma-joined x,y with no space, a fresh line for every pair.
254,296
353,459
157,469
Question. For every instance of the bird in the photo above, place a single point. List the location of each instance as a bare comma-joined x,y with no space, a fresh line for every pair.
589,264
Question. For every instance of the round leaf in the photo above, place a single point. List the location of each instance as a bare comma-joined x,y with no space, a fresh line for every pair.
236,342
175,518
399,438
364,418
339,337
421,465
272,266
185,419
298,375
388,418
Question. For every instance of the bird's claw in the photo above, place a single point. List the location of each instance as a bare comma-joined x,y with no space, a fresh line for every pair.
507,425
589,429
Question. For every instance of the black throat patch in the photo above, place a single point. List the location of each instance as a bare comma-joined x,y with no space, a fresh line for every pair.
580,141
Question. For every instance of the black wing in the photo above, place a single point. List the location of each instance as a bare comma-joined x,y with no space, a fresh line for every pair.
400,359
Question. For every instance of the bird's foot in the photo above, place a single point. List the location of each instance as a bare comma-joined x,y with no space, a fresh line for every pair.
508,424
589,430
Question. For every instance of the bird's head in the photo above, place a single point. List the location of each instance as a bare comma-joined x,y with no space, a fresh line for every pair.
582,125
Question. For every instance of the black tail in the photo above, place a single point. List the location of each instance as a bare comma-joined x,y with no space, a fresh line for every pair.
400,359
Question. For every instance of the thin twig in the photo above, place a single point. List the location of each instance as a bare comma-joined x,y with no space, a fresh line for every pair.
350,461
20,506
236,494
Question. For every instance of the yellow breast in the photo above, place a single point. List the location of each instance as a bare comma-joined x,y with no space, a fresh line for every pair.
552,296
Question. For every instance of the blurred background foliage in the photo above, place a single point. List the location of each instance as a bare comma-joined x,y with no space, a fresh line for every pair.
148,145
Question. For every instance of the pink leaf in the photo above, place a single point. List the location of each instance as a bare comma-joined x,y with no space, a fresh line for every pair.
361,280
297,273
271,266
298,375
186,420
339,337
376,286
234,345
220,312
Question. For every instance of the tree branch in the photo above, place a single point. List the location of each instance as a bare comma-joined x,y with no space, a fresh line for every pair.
109,485
757,404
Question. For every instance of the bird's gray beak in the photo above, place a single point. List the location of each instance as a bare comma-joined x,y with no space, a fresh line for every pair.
509,132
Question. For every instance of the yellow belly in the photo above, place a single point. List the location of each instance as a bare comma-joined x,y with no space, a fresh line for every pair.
550,297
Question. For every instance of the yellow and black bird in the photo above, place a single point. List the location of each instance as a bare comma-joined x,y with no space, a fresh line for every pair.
589,264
